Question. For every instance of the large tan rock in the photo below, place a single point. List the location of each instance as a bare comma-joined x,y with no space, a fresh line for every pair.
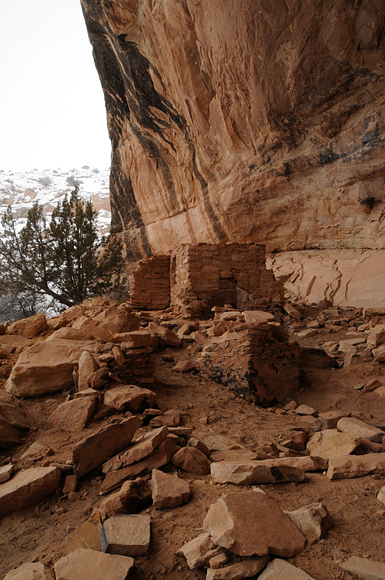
85,563
353,466
27,488
46,367
29,327
251,524
332,443
168,491
192,460
30,571
118,318
14,422
92,451
72,416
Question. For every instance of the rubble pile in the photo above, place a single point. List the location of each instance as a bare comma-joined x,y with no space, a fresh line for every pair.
144,458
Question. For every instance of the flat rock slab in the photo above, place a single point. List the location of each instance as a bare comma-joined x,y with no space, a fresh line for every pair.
72,416
91,452
27,488
157,459
282,570
129,397
86,535
46,367
253,472
92,564
138,451
169,491
332,443
126,535
358,428
251,524
13,421
238,571
30,571
353,466
135,339
170,418
364,568
331,418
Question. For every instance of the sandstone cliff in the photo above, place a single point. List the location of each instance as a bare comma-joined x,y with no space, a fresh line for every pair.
244,120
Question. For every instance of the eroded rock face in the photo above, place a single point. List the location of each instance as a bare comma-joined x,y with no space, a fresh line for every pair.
258,121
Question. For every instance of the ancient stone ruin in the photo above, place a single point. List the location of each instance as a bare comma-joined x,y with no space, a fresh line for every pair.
197,277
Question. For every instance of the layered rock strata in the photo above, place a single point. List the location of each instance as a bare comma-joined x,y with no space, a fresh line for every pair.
243,121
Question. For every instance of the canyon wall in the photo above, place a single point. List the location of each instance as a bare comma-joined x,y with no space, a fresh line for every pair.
244,120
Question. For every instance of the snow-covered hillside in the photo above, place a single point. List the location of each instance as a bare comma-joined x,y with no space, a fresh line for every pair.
48,186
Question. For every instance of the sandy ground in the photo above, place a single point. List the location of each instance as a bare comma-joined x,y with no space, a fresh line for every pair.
38,533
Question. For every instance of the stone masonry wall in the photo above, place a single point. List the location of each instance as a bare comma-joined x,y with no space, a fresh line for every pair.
207,275
150,287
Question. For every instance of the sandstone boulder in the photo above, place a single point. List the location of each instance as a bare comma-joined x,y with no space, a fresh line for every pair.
168,491
129,397
92,451
72,416
251,524
29,327
94,328
14,422
30,571
118,318
168,336
126,535
69,333
27,488
85,563
46,367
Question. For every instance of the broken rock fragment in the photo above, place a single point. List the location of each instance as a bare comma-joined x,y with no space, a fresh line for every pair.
192,460
126,535
14,422
332,443
27,488
30,571
72,416
199,551
312,520
251,524
282,570
93,564
364,568
92,451
87,366
133,497
245,569
360,429
129,397
169,491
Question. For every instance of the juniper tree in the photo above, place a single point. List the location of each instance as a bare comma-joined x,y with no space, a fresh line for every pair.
65,259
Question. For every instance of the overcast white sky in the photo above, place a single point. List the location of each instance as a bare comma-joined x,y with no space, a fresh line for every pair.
52,111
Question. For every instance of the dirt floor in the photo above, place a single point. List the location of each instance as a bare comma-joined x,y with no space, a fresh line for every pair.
38,533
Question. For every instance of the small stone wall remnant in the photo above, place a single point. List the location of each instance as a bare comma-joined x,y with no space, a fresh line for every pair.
207,275
150,287
255,364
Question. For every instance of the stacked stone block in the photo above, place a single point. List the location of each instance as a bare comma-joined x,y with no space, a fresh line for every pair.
150,288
